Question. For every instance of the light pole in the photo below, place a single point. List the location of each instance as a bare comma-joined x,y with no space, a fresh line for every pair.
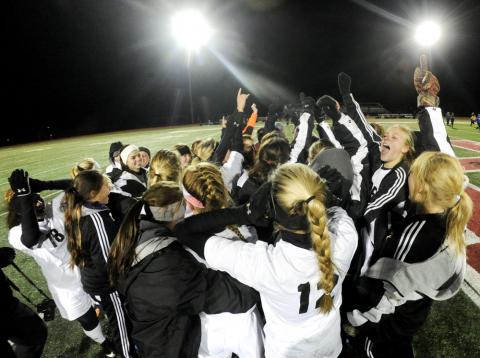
192,31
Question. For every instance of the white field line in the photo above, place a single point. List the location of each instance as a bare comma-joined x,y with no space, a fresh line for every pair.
196,130
462,147
471,284
472,170
473,186
36,150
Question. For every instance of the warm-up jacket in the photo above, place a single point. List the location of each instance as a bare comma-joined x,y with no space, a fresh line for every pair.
416,266
128,182
98,231
166,289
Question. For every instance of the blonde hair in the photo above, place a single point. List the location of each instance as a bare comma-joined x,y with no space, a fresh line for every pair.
204,182
165,166
84,164
318,147
409,141
378,128
293,184
204,150
439,180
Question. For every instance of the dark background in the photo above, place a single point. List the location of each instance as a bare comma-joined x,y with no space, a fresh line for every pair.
85,66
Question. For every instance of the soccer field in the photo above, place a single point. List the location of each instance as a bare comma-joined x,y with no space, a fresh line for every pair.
451,330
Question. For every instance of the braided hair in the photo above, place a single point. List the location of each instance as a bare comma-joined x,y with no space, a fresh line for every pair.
204,181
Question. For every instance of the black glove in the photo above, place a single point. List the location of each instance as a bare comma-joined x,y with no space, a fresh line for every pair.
329,106
308,104
19,182
259,206
7,255
344,82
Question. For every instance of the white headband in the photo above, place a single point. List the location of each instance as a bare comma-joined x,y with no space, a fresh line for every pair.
172,212
126,152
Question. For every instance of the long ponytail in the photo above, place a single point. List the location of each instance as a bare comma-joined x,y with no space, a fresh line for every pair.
457,219
300,191
84,184
439,180
122,252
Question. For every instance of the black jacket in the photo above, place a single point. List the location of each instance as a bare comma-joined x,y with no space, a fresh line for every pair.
98,230
167,289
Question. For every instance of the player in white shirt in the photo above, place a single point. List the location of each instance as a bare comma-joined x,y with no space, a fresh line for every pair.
224,333
300,277
38,231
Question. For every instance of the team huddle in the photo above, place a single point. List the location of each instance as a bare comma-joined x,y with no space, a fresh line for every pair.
256,249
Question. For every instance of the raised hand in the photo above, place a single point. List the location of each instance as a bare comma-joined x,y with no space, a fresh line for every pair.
426,85
330,106
254,108
241,100
19,182
344,82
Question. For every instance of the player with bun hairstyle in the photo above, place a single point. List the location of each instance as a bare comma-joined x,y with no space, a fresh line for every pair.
165,166
204,191
300,277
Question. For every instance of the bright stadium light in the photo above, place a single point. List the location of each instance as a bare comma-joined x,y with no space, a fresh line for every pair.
427,33
191,29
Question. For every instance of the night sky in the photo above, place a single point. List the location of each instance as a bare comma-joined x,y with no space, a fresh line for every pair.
85,66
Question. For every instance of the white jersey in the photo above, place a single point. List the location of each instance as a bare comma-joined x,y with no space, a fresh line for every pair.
52,255
227,333
287,278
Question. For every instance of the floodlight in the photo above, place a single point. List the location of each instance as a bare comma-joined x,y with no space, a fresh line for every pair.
191,29
428,33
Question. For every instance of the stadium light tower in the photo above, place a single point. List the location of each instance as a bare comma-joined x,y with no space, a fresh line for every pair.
192,31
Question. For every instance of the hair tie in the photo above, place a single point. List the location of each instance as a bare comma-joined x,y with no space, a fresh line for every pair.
309,199
73,190
458,198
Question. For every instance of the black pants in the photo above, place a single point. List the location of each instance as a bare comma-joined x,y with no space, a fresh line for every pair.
26,329
119,324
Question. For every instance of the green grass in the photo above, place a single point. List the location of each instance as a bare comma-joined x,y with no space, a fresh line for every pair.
450,331
462,153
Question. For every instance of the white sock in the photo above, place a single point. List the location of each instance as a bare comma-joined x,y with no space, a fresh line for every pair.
96,334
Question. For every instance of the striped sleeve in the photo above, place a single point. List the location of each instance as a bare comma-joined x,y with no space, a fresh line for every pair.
434,136
100,238
392,191
303,140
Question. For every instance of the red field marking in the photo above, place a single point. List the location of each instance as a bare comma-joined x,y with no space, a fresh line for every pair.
470,163
473,256
467,144
474,223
